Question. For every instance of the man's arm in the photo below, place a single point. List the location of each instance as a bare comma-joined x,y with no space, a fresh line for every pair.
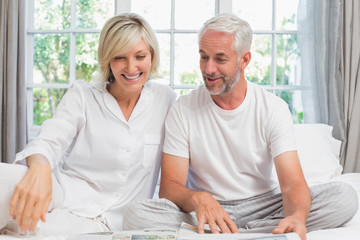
174,172
295,194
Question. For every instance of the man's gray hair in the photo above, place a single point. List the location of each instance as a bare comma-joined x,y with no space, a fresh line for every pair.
234,25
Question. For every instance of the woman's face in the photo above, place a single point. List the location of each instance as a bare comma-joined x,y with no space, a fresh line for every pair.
132,69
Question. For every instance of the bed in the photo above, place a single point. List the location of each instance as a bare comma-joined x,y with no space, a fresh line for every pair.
318,152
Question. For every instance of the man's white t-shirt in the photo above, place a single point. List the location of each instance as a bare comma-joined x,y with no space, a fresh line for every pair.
231,151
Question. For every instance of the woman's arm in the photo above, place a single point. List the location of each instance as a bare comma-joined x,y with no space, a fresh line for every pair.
33,194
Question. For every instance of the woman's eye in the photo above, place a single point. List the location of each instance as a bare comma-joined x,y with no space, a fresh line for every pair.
119,58
140,57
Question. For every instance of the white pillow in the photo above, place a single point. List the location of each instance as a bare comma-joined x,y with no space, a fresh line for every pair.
318,152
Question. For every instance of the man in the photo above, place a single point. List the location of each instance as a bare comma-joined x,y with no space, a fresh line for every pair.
221,143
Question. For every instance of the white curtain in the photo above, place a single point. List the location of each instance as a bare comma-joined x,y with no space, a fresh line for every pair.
12,79
350,69
328,37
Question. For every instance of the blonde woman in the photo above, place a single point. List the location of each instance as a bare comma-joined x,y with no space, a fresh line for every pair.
102,148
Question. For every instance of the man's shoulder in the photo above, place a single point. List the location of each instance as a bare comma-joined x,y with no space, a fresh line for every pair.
261,94
190,103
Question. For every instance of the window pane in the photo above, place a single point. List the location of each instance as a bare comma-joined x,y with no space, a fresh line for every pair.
187,69
45,103
286,14
164,46
259,18
294,100
50,14
87,67
183,91
93,13
190,14
287,60
51,58
156,12
258,71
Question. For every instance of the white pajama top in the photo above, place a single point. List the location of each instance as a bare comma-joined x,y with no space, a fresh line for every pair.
102,161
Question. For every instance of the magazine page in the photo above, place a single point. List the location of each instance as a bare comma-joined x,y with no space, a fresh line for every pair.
153,234
188,231
145,234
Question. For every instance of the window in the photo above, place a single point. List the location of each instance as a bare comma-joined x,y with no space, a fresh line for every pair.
62,38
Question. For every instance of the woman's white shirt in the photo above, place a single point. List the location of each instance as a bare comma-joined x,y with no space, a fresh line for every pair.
101,160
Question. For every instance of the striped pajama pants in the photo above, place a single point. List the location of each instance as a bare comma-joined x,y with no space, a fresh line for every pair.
333,204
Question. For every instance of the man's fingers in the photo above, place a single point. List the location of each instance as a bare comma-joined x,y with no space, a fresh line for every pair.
201,224
213,226
223,227
281,228
232,226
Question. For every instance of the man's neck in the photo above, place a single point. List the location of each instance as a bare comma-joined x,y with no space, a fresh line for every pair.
233,99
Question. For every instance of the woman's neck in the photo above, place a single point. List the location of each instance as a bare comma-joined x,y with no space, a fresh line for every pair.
126,100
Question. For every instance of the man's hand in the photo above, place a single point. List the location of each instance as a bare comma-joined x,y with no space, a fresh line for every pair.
291,224
209,211
32,195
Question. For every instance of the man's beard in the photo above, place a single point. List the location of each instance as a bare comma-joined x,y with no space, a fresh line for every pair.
227,83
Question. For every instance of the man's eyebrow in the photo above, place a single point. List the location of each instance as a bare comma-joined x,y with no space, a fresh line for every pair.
220,54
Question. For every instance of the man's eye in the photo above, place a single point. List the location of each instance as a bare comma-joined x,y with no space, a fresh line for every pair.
204,57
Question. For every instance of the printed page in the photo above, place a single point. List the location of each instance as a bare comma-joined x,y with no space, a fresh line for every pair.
128,235
187,232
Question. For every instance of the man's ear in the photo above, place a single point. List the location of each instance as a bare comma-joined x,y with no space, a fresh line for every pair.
245,60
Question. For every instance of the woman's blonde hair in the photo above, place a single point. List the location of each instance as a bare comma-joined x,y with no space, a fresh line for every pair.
119,35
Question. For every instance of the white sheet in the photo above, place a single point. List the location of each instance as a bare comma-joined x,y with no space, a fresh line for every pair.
351,231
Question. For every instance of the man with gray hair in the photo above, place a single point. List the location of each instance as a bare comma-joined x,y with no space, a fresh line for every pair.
221,142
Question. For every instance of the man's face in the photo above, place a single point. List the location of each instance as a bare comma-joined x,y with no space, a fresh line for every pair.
218,62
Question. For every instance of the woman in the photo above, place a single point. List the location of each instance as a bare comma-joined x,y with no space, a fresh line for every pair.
102,148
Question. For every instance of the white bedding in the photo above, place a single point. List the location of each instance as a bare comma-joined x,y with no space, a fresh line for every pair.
318,153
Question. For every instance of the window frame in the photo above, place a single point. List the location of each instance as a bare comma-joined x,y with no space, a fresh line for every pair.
122,6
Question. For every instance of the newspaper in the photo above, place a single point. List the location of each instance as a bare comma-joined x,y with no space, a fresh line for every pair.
185,232
153,234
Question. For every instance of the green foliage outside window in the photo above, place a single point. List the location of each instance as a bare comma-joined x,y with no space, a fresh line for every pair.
52,57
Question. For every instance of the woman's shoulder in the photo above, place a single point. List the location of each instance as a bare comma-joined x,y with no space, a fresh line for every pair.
80,85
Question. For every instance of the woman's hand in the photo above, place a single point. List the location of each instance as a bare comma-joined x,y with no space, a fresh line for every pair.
33,194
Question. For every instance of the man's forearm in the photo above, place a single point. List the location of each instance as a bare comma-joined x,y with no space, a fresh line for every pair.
297,202
182,196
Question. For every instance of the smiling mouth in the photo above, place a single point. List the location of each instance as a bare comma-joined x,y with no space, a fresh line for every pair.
212,79
132,77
